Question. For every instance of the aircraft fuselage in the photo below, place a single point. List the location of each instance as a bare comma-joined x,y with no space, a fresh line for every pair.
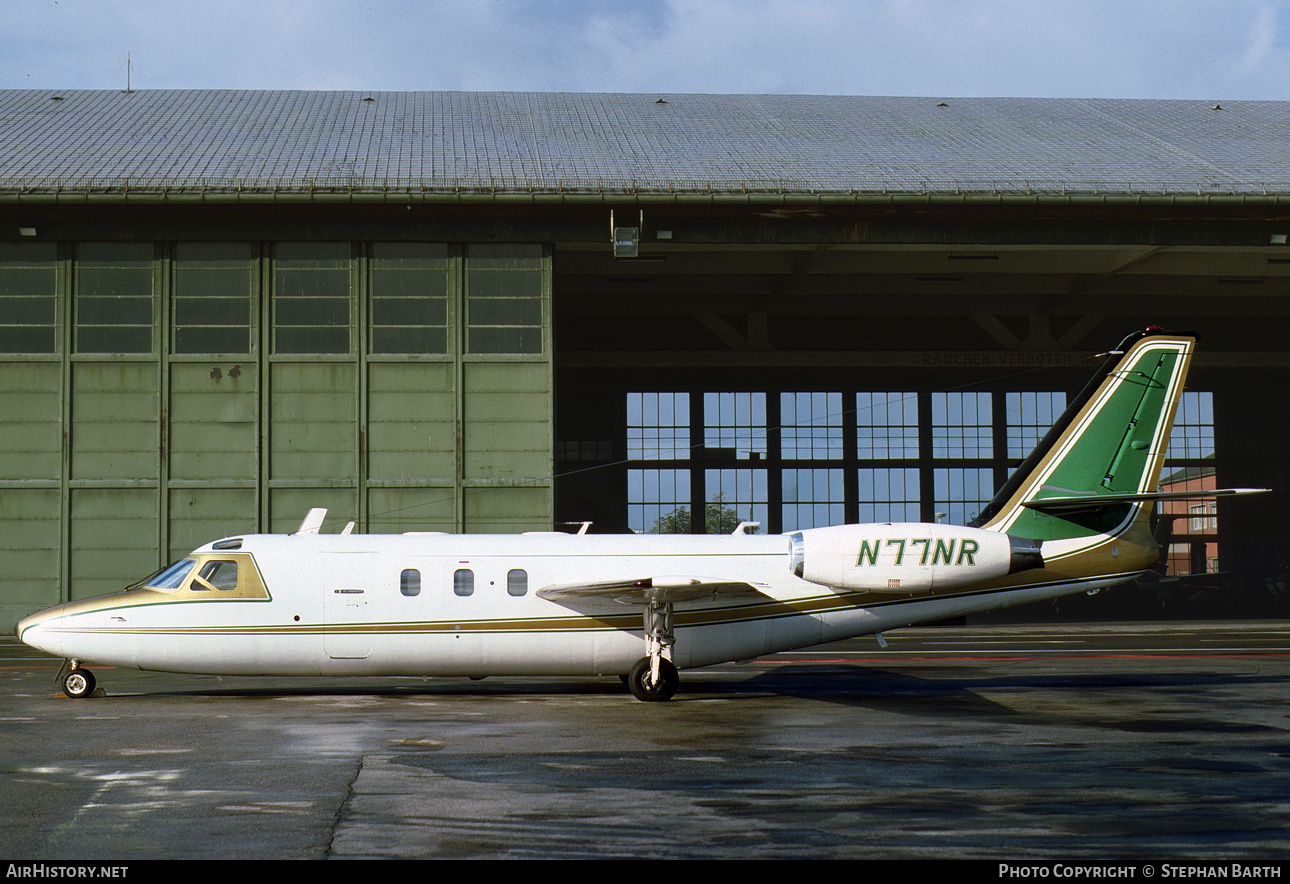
440,605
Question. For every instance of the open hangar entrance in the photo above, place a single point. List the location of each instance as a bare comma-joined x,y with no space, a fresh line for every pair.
799,383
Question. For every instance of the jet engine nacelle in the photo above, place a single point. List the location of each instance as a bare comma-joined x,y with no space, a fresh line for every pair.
908,556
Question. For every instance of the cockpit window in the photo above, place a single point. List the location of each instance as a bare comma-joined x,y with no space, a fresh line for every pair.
220,574
207,576
169,577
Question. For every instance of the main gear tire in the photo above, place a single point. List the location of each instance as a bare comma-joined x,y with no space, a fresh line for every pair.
638,681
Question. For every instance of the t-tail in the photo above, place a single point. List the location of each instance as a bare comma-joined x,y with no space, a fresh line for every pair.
1087,490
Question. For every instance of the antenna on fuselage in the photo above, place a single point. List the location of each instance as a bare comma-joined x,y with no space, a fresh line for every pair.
312,522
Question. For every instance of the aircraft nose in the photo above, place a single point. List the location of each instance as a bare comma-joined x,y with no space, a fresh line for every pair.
33,631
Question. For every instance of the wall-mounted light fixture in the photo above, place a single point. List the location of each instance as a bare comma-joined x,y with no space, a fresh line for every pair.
626,240
26,231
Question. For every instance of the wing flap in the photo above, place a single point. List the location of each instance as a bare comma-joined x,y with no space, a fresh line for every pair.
646,589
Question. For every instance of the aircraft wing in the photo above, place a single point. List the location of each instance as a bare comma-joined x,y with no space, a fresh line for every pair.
660,589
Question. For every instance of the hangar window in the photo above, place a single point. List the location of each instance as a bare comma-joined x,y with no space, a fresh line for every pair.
962,492
812,498
962,425
658,426
658,501
517,582
1189,466
409,298
114,293
887,446
28,297
504,298
735,423
1193,434
735,496
311,297
810,426
212,298
889,495
463,582
410,582
886,426
1030,416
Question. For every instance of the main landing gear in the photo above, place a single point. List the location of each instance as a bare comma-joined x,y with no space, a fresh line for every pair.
77,682
654,677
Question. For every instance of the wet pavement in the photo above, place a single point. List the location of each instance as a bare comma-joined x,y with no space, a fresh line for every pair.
1161,743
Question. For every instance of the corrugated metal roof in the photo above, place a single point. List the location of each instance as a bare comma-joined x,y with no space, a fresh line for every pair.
622,143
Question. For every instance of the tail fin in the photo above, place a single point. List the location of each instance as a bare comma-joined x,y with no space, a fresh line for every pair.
1096,470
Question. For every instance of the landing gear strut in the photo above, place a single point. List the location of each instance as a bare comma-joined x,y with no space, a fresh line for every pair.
654,677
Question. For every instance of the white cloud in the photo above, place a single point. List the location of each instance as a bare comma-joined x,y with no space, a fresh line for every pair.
1223,49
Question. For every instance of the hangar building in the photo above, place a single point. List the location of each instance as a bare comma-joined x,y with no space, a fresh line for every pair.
499,312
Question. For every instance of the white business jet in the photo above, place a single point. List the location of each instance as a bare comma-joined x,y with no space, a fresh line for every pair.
1073,518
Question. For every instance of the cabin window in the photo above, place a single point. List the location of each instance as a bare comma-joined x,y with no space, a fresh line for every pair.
517,581
463,581
410,582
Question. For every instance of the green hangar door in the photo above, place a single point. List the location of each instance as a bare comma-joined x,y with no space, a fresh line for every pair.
160,395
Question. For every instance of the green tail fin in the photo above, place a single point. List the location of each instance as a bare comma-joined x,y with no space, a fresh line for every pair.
1106,449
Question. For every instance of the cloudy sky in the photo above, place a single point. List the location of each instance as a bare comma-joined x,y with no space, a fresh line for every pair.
1204,49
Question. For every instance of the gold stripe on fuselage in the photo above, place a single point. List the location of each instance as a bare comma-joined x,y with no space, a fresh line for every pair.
574,623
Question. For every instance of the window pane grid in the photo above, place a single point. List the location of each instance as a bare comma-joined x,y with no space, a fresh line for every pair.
1193,434
311,298
1030,415
409,298
810,426
812,498
736,422
28,297
961,425
114,298
889,495
734,496
962,492
658,426
658,501
886,426
212,298
504,288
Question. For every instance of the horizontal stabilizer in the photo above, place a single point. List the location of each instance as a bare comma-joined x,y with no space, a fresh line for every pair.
1093,501
647,589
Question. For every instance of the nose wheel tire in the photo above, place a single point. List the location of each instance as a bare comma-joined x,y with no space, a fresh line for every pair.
638,681
78,683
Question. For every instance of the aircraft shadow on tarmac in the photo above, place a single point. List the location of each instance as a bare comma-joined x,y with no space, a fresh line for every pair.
862,687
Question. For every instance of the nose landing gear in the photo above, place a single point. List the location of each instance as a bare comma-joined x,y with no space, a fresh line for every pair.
77,682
